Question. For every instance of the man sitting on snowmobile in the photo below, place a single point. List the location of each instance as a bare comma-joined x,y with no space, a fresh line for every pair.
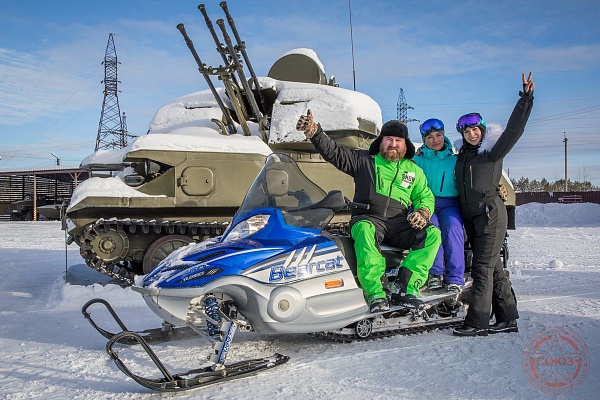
388,181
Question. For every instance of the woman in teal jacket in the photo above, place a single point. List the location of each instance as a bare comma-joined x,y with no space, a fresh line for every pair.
437,159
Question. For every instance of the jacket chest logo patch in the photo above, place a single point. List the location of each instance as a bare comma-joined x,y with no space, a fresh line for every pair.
407,179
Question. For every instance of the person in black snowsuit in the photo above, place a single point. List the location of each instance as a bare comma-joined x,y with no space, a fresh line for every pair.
478,172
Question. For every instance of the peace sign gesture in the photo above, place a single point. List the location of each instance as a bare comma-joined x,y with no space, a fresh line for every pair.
528,85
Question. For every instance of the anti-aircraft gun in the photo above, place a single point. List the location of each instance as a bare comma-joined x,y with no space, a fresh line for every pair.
184,180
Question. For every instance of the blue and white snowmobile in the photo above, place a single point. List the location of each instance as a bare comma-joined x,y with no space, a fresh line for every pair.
277,269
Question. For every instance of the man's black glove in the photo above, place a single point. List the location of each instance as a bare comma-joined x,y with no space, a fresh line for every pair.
305,123
418,219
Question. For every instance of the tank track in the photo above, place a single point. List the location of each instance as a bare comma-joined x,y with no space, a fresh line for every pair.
120,270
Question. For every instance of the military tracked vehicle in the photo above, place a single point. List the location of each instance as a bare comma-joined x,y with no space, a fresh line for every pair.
184,180
22,210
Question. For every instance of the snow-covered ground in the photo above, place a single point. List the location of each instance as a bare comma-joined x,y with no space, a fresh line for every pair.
49,351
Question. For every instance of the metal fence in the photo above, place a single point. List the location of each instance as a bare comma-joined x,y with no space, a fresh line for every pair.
557,197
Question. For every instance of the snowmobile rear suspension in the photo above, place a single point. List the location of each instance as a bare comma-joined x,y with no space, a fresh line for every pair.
437,311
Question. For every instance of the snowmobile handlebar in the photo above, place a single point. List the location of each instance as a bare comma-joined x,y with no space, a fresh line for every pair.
351,205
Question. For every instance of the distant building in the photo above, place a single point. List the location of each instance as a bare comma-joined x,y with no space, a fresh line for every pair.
49,185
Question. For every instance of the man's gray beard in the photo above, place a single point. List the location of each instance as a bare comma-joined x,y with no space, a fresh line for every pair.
392,156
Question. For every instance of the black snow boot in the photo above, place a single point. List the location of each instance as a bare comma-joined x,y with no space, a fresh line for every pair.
504,327
400,298
406,300
466,330
379,305
435,282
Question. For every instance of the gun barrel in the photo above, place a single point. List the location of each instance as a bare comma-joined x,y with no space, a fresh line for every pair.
201,67
242,47
220,48
239,68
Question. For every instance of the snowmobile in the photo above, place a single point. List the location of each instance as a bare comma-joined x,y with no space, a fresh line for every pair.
280,268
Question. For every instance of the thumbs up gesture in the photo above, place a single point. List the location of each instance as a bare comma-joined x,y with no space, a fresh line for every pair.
305,123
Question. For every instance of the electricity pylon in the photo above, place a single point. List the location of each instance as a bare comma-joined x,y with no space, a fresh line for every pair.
112,131
403,109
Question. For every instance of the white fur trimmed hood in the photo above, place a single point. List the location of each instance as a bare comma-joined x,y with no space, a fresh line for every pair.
490,138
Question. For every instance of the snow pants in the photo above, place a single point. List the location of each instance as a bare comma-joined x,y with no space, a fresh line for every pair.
451,255
369,232
491,290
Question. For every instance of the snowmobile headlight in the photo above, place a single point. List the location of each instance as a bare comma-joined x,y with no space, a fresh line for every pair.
247,227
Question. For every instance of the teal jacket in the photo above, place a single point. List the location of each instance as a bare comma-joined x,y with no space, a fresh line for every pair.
439,169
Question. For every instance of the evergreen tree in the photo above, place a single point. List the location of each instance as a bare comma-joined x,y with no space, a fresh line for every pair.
545,185
525,185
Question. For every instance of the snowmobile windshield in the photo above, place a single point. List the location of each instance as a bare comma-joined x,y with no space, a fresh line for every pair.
281,184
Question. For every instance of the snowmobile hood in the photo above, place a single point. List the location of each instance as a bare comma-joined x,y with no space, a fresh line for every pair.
203,268
216,260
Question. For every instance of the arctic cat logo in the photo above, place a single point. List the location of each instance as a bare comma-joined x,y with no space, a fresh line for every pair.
281,272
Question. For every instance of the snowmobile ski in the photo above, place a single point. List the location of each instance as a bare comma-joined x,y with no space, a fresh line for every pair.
192,379
221,331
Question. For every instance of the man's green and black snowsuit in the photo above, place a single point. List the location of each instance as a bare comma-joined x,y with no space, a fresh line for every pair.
389,188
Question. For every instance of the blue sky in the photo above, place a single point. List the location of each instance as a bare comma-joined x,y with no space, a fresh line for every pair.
450,58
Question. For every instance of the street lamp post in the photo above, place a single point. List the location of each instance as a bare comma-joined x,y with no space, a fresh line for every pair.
57,159
565,141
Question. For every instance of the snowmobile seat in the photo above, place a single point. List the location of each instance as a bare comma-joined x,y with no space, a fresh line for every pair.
393,256
346,246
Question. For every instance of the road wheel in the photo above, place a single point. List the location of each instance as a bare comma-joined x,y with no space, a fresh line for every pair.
111,246
364,328
161,248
